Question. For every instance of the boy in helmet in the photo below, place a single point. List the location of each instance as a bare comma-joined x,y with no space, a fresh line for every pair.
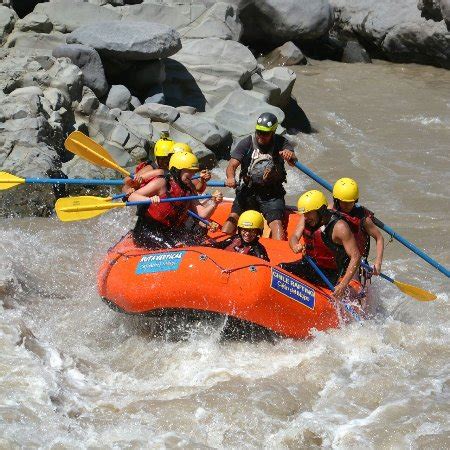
160,225
261,157
327,239
360,219
246,241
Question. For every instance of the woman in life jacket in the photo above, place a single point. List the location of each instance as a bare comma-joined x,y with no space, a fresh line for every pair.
160,225
145,171
360,219
246,241
328,239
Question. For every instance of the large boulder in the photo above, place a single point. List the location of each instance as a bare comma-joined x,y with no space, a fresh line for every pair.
277,21
66,17
355,53
88,60
205,71
286,55
394,30
135,41
284,78
7,20
40,23
157,112
119,97
36,40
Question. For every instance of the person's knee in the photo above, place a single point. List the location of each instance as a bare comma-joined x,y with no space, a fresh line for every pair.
230,224
277,229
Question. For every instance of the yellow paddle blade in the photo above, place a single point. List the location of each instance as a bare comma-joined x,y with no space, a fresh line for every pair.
415,292
87,148
69,209
7,181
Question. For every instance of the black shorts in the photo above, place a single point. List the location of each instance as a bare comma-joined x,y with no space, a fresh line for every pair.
302,269
270,204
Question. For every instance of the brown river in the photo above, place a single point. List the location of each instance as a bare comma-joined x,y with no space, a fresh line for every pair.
75,374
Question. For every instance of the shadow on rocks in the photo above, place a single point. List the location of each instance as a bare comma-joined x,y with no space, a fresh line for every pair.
296,120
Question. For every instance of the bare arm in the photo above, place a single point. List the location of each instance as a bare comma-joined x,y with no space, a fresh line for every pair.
343,235
206,209
155,187
294,241
233,164
374,232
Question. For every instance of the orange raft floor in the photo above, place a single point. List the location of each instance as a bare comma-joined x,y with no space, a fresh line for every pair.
139,281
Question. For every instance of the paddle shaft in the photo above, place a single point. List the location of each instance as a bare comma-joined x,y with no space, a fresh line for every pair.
85,181
382,275
380,224
330,286
166,200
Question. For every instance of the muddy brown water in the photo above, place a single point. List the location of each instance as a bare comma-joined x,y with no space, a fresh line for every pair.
75,374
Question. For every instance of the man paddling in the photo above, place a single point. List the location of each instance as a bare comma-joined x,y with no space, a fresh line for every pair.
360,219
328,239
261,157
160,224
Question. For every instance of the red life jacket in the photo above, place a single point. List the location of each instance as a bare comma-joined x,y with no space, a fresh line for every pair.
236,245
320,246
170,214
356,219
143,164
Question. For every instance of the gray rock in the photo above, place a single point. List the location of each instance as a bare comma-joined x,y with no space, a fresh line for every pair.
209,134
30,90
186,109
89,103
355,53
159,113
66,77
238,112
135,102
278,21
20,105
56,99
136,41
36,22
220,21
120,135
119,97
430,9
64,18
121,156
205,71
35,40
158,98
270,92
7,20
284,78
88,60
445,10
286,55
138,126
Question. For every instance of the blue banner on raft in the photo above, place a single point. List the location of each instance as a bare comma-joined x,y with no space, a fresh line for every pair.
293,288
159,262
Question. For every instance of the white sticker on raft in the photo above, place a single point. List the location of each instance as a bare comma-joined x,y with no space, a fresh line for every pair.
293,288
159,262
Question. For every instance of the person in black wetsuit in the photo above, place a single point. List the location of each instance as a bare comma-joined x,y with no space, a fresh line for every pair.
246,241
261,157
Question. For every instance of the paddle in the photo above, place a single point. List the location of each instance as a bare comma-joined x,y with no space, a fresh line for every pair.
87,148
69,209
8,181
413,291
330,286
380,224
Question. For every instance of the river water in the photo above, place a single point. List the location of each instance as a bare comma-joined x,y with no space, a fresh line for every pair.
75,374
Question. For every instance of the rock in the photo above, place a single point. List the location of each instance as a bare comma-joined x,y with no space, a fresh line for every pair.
66,18
220,21
56,99
158,98
120,135
278,21
21,104
284,78
137,125
30,90
36,22
66,77
209,134
145,74
35,40
445,10
393,30
355,53
88,60
270,92
89,103
135,102
238,112
286,55
186,109
136,41
119,97
7,20
205,71
159,113
430,9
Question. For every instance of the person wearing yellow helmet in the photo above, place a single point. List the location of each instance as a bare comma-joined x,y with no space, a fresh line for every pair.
160,225
246,241
360,219
262,158
327,238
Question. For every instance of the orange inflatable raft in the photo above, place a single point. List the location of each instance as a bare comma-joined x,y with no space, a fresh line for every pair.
139,281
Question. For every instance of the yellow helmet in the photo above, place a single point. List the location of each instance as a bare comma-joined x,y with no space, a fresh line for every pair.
163,147
181,147
346,190
183,160
251,219
311,201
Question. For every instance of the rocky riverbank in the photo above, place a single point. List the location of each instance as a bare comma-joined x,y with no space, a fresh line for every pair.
123,71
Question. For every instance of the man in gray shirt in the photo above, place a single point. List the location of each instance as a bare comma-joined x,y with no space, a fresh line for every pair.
261,157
